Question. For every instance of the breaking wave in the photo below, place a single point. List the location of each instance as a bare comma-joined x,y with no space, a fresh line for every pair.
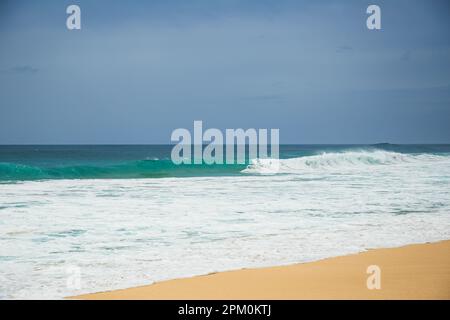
153,168
338,160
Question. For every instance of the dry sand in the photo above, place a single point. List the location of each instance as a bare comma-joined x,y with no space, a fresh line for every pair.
419,271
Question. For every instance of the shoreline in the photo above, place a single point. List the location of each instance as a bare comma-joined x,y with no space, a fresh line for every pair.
416,271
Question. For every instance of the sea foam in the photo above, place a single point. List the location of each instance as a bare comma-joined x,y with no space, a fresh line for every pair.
350,160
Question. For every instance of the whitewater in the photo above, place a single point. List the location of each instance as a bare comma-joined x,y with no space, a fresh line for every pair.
128,232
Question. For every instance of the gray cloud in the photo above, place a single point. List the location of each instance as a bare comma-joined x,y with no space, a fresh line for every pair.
264,97
406,56
344,48
24,69
137,70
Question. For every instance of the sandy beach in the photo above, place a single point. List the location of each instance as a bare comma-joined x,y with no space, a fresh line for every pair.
419,271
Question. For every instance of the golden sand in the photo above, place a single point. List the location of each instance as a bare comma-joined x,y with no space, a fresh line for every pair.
419,271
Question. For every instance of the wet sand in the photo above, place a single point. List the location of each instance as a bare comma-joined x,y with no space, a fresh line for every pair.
420,271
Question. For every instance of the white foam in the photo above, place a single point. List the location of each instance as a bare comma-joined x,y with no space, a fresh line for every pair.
351,160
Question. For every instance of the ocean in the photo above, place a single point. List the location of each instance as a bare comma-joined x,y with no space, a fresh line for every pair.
124,216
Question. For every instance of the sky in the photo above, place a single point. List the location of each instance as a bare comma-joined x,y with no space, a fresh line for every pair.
137,70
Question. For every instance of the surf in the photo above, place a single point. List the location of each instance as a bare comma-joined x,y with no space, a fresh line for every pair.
148,168
336,160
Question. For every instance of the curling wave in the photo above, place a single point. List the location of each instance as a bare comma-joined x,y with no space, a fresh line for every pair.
338,160
125,170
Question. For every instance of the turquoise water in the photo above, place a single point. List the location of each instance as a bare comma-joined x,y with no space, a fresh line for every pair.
66,207
23,163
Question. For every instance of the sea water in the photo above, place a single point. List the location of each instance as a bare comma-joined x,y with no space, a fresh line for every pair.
125,215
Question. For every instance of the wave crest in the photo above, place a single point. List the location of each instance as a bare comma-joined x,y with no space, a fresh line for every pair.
338,160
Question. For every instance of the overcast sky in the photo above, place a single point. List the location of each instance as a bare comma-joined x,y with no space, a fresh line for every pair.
139,69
